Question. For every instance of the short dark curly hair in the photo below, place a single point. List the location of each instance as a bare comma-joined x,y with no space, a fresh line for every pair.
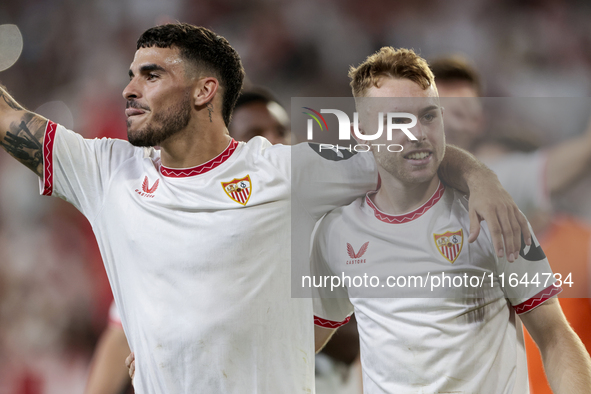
207,51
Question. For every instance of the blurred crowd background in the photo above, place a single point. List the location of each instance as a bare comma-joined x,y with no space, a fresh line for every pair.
54,294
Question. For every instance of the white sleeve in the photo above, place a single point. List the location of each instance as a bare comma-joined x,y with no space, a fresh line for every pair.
324,179
332,307
523,175
529,281
79,170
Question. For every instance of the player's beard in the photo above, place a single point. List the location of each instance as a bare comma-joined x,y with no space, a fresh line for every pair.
394,163
163,125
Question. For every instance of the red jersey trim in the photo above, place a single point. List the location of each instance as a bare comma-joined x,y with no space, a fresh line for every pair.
48,140
329,323
202,168
537,300
114,322
407,217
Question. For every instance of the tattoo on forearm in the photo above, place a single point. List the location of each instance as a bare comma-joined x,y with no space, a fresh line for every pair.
10,101
23,141
210,110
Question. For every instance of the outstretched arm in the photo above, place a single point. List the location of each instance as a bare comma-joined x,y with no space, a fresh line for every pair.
566,362
488,201
21,133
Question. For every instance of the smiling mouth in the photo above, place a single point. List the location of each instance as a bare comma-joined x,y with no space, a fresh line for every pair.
418,155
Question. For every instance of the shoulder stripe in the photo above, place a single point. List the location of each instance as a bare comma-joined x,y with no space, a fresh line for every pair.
48,140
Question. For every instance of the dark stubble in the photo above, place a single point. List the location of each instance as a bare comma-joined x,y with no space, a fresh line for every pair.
164,124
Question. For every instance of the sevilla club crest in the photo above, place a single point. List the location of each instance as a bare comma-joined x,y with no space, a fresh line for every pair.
239,190
450,244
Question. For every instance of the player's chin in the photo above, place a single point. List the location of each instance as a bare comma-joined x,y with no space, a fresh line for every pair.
423,174
136,120
138,137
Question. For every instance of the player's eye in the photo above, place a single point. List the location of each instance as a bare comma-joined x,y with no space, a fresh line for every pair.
152,76
429,117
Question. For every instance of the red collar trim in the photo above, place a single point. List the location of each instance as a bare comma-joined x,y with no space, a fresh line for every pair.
202,168
410,216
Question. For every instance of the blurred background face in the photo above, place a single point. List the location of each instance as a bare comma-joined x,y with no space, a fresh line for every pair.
258,118
463,118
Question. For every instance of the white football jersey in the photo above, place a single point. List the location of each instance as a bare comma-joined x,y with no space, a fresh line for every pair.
464,339
199,258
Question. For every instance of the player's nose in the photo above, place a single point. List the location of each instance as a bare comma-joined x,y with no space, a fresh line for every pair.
131,90
418,132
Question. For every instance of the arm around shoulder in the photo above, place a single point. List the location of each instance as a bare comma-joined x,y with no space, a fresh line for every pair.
488,201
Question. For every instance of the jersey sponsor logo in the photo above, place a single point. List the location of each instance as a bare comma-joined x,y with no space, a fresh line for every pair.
532,252
239,190
449,244
148,191
356,257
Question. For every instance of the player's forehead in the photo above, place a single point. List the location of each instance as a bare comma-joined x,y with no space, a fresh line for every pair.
167,58
398,95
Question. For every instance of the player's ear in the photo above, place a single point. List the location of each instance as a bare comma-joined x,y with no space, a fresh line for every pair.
205,91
